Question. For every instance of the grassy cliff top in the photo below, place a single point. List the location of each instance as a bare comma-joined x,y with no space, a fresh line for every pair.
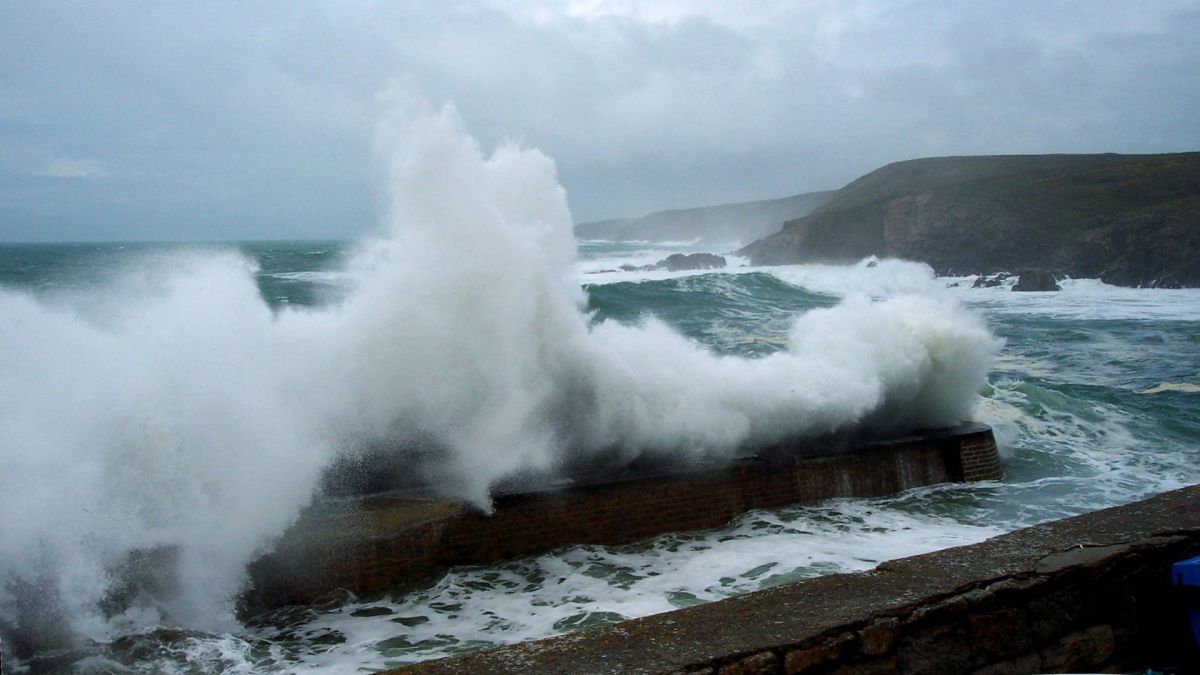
1074,183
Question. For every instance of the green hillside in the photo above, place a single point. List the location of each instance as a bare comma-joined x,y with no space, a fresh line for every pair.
1128,219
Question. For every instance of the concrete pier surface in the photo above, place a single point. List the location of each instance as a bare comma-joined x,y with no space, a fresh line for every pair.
1082,594
372,543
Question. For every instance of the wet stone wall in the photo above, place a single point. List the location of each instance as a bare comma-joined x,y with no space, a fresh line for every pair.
373,543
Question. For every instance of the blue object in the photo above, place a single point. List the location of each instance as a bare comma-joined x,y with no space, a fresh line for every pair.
1186,573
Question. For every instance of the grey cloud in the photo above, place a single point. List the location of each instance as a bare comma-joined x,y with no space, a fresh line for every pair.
74,167
223,120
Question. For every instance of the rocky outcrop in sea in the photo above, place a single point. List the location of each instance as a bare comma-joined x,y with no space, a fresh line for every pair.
678,262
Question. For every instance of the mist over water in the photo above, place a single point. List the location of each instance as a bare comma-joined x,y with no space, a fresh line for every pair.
171,409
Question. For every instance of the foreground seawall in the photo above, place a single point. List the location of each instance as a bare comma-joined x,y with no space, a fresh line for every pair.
1087,593
370,544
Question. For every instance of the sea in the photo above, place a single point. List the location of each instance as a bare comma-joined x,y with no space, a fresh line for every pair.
124,363
167,411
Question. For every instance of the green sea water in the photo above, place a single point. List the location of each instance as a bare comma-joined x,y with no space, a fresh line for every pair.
1094,397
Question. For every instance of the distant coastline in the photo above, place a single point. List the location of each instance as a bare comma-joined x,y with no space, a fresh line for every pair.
1128,220
728,225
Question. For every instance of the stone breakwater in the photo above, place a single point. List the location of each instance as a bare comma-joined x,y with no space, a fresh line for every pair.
1087,593
373,543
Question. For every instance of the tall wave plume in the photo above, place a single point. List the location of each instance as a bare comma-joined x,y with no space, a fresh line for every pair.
173,412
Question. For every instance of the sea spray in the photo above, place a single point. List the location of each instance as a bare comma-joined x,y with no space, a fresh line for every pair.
165,422
466,315
175,412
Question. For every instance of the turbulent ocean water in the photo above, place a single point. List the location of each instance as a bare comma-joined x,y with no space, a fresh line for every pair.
189,396
1095,398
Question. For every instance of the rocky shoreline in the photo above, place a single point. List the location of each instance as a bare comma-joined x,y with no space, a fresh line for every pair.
1030,280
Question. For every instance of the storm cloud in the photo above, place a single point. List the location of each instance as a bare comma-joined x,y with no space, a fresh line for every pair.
199,120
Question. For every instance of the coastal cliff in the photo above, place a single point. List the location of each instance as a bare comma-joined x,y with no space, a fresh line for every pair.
1131,220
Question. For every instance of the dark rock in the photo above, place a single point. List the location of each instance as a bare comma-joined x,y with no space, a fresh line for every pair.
694,261
1001,633
1030,663
764,663
1036,280
371,611
830,650
1082,555
938,649
877,639
992,281
1087,648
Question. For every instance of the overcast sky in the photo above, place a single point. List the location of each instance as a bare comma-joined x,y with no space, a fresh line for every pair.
244,120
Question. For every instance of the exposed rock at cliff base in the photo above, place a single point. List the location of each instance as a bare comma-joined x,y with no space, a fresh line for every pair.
1036,280
677,262
992,281
694,261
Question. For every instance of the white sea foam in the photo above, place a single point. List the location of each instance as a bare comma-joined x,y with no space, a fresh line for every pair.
175,410
606,265
1087,299
553,593
665,243
870,276
331,277
161,420
1182,387
610,275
